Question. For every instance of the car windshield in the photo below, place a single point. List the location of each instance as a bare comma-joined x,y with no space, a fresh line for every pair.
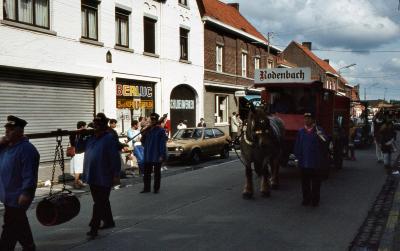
188,134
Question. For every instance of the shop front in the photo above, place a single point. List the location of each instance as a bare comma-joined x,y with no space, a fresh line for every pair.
48,101
135,98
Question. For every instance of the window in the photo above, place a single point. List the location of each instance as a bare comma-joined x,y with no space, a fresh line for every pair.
33,12
244,64
218,133
122,27
149,35
221,109
256,63
184,35
89,19
219,53
208,133
269,66
183,2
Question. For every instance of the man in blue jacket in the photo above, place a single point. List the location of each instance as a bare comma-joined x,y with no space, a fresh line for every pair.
19,164
101,169
311,155
154,141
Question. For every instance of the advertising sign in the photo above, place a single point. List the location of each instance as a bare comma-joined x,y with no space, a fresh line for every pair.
282,75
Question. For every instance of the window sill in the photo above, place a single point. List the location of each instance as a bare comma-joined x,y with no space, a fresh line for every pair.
185,61
151,54
92,42
121,48
28,27
184,6
221,124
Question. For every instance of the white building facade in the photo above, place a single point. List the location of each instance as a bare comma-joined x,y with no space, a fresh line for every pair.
64,61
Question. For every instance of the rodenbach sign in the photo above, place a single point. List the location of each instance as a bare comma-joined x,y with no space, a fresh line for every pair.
282,75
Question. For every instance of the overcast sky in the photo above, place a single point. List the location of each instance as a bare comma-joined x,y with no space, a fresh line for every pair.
344,31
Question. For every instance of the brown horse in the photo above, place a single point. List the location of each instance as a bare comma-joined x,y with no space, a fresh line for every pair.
261,143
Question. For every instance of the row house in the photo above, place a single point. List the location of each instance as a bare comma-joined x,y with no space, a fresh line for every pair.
233,50
302,56
63,61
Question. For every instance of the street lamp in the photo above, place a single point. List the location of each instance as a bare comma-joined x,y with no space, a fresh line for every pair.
341,68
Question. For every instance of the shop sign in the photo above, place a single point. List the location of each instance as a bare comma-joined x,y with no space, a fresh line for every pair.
182,104
134,91
134,104
282,75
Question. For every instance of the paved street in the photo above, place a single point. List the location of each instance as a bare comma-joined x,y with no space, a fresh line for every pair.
203,210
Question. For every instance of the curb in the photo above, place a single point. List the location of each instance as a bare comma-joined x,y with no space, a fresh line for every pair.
388,237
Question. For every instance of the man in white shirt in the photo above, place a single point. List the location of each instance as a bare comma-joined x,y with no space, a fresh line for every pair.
234,126
134,134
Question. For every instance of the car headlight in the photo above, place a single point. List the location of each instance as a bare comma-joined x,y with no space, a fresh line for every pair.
179,149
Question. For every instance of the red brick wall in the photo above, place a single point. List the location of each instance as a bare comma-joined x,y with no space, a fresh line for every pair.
232,57
294,54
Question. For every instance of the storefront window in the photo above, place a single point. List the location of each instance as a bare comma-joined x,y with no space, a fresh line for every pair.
134,99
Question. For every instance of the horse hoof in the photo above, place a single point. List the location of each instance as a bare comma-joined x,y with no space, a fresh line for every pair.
247,195
266,194
275,186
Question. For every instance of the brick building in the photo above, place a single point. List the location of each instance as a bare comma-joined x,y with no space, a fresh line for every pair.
233,49
302,56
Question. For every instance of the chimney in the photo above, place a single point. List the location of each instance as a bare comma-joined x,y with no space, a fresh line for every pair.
234,5
326,60
307,45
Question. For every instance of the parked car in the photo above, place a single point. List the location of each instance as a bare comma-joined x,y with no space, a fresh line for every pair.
191,144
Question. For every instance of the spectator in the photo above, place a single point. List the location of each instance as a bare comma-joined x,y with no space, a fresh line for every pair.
101,170
154,142
311,152
352,136
76,164
19,162
375,130
181,125
234,126
202,123
387,138
135,136
113,123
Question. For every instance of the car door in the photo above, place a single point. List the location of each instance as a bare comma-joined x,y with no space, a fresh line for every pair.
220,140
208,142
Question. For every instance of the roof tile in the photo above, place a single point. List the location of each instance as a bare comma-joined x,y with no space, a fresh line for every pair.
231,16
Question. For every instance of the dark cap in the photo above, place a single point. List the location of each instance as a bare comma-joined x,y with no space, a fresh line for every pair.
154,116
309,114
101,118
15,121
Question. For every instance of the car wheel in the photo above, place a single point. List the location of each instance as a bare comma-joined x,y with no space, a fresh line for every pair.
195,157
225,152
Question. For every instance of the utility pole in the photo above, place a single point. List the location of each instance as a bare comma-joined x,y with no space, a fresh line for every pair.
365,93
269,36
384,94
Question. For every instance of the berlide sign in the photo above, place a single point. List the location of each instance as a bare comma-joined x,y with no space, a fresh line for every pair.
282,75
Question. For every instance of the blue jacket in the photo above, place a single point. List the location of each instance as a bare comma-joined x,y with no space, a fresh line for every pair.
309,149
19,166
102,160
155,145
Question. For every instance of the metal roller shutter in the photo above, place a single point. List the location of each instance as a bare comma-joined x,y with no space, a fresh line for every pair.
47,101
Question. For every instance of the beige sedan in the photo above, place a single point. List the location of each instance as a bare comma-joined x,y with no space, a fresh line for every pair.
191,144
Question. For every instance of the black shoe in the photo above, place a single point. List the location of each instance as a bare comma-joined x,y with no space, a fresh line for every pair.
305,203
145,191
92,233
106,226
155,191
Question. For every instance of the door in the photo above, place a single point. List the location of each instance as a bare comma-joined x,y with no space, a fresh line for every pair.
183,106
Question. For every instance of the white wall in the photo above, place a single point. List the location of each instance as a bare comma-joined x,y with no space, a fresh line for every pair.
64,53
